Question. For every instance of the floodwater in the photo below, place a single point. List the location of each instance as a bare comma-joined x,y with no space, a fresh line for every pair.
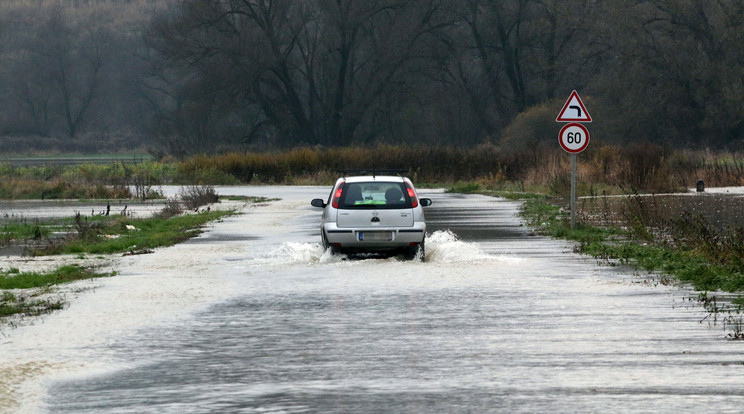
254,317
720,208
28,209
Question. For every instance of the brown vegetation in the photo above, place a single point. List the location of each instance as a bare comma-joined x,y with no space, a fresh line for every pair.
542,168
637,167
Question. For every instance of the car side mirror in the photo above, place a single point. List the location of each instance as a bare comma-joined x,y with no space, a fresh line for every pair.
425,202
318,202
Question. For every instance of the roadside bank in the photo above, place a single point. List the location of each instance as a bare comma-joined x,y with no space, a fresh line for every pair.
683,238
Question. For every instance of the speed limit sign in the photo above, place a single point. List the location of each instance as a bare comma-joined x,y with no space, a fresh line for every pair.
574,138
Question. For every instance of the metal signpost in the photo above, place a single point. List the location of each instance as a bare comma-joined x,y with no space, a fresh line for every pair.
574,138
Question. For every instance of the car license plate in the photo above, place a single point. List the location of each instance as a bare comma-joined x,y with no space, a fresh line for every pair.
375,236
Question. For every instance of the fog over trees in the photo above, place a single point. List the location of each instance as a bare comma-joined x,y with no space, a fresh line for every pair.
202,76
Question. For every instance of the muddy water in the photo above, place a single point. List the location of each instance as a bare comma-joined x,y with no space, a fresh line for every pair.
254,317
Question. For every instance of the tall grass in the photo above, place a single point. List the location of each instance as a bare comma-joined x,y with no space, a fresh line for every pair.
601,168
425,163
637,167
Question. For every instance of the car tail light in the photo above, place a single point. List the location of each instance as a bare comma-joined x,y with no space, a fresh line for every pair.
412,196
337,195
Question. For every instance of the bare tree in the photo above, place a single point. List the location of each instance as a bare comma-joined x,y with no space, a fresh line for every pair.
316,71
217,75
675,71
61,74
68,68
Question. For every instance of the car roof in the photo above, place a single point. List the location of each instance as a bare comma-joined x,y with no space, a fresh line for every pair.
367,178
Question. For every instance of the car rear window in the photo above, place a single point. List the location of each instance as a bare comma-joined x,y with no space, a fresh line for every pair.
374,195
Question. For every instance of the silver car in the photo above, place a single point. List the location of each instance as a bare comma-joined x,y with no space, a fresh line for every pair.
374,214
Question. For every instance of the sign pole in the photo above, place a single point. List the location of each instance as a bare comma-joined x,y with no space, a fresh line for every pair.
573,191
574,137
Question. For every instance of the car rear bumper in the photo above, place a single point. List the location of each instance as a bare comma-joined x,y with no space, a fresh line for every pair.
374,238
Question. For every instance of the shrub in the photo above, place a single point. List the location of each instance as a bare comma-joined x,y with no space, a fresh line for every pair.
172,208
195,196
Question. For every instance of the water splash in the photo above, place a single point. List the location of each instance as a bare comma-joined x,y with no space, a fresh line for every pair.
441,247
445,247
289,253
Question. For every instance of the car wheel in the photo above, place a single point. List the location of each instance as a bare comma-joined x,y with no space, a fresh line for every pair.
417,252
327,245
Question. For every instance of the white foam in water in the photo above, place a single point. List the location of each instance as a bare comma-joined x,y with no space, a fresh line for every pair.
445,247
289,253
292,252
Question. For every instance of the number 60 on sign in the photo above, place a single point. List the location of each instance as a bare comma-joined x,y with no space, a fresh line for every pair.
574,138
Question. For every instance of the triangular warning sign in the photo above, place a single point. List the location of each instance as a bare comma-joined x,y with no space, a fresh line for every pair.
574,110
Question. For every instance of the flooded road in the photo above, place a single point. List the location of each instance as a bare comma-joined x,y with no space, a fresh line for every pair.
254,317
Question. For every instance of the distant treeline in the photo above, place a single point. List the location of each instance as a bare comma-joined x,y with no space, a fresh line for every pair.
184,77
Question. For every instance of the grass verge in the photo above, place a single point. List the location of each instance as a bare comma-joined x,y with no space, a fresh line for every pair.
17,300
14,279
685,262
124,234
